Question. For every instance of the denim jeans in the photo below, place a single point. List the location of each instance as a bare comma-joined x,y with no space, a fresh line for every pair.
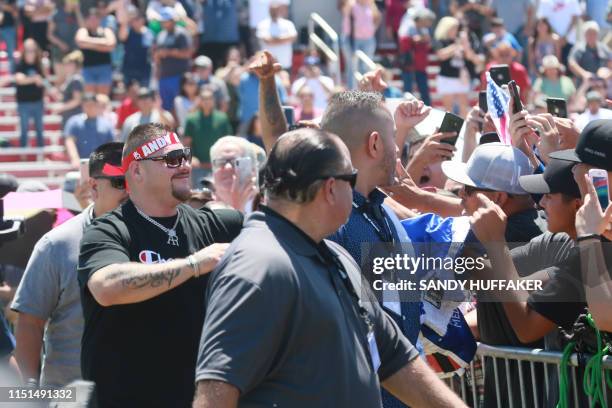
169,87
27,111
367,46
9,36
421,80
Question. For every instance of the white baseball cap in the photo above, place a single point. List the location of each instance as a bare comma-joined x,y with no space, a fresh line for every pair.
492,166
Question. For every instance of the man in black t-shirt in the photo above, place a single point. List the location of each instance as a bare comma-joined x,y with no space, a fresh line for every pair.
562,298
140,273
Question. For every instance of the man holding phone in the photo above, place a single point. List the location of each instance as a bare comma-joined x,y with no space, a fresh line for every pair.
234,167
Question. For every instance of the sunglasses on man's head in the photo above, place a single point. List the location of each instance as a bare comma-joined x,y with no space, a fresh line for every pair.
174,158
351,178
117,182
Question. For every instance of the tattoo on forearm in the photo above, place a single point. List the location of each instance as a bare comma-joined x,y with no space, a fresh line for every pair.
152,279
272,107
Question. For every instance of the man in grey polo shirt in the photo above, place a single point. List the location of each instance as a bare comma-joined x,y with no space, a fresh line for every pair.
47,299
287,321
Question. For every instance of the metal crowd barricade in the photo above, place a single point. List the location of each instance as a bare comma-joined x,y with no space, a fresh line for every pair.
361,59
331,53
467,384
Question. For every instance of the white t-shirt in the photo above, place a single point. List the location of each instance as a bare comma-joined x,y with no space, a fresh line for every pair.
278,28
587,117
317,88
560,13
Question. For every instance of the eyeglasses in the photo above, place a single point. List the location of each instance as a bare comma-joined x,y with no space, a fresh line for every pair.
351,178
469,190
173,159
220,163
115,182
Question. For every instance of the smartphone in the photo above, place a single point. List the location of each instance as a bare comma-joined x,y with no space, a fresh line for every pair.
84,167
600,181
482,101
244,169
289,112
557,107
517,105
500,74
451,123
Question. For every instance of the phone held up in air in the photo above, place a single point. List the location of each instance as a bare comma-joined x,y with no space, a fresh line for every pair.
517,105
500,74
482,101
557,107
451,123
245,169
600,181
289,112
84,169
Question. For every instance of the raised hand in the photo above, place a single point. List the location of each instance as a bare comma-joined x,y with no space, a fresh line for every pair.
434,150
549,134
489,221
264,65
372,81
408,114
241,193
591,218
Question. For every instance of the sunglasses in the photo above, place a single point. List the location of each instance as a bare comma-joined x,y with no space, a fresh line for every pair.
351,178
173,159
220,163
115,182
469,190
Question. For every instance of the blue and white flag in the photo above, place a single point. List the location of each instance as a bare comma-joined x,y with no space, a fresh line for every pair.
446,339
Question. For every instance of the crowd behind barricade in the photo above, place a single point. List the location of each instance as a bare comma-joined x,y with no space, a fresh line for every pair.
232,211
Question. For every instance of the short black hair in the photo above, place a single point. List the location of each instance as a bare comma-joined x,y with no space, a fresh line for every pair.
107,153
297,161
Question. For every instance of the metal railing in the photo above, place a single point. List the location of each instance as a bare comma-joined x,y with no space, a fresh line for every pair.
528,361
332,53
360,58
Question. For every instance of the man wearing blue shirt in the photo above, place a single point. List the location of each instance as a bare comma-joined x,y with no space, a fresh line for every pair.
86,131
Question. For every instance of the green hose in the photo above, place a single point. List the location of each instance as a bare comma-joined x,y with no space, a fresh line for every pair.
563,377
592,381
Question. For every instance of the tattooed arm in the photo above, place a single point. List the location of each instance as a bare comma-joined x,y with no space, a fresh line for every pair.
133,282
272,119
